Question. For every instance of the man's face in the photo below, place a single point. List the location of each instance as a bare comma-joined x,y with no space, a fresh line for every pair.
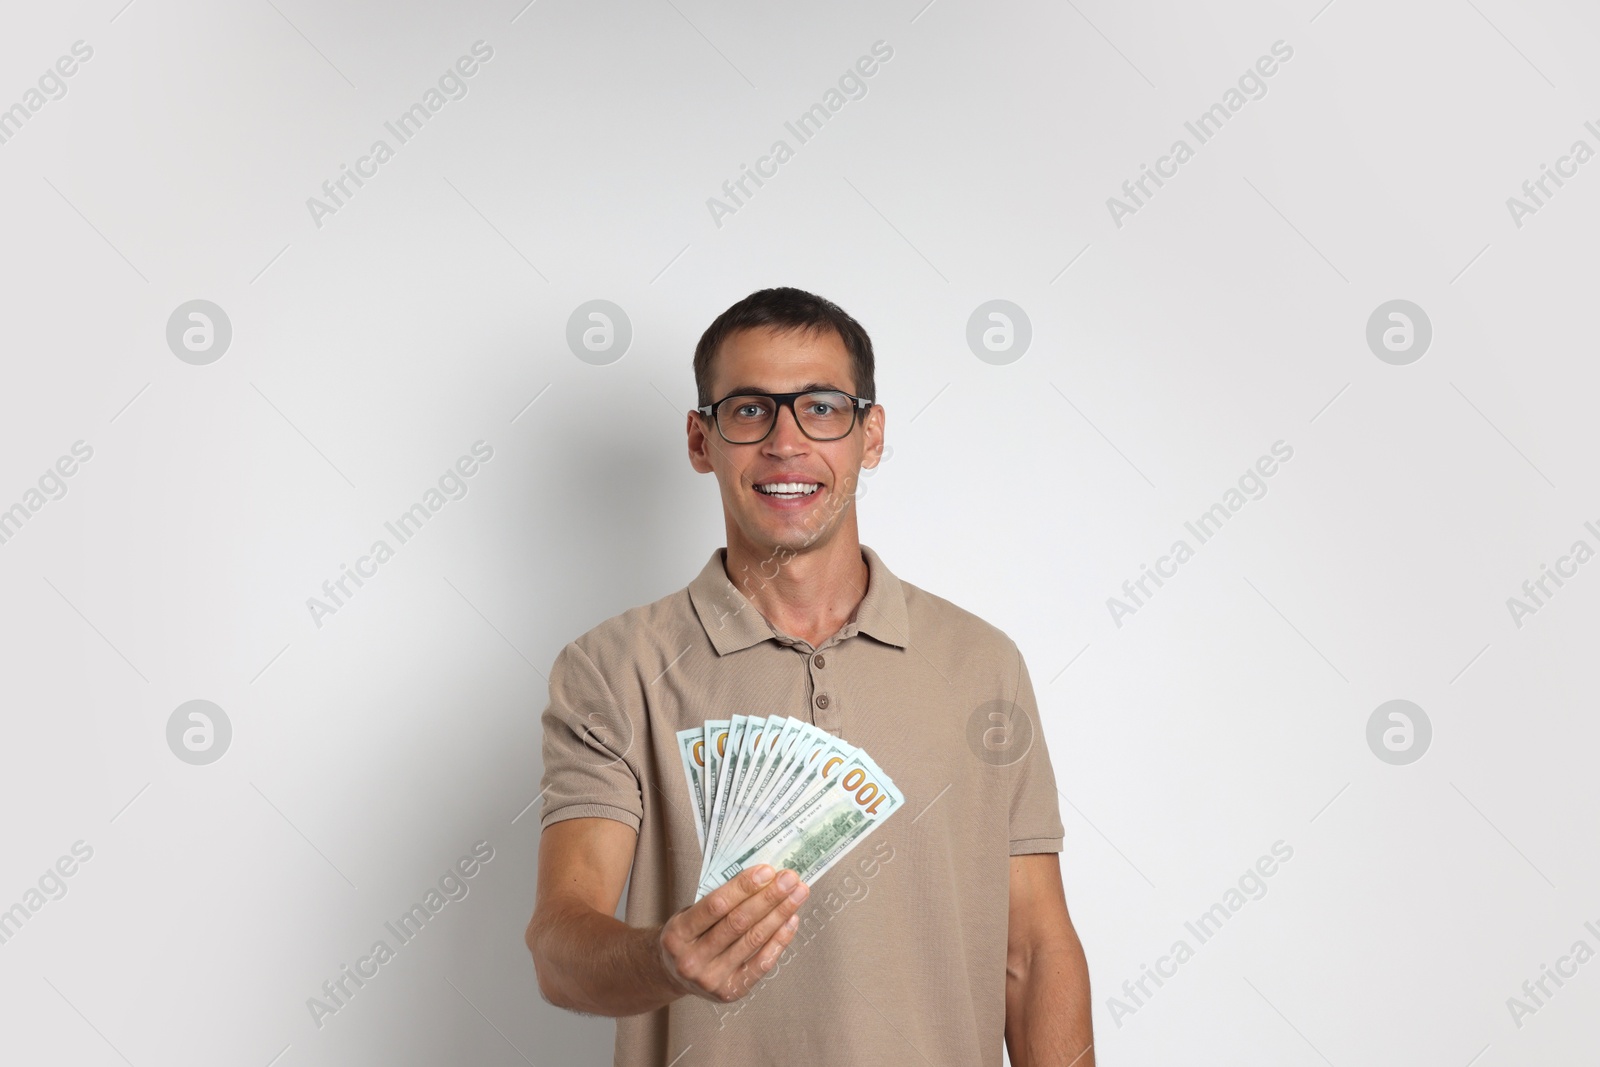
767,361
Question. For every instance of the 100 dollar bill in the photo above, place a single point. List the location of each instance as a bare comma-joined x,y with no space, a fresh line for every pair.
692,753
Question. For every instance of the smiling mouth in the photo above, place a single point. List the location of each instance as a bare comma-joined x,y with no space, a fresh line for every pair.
788,490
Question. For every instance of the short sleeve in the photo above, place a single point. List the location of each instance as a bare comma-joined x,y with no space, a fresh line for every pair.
1035,806
588,742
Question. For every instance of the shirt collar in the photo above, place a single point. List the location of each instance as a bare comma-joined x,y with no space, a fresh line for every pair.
733,622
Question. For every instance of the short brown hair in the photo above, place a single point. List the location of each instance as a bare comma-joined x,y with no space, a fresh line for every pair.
785,309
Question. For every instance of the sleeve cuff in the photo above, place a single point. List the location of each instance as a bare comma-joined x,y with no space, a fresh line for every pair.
589,811
1029,845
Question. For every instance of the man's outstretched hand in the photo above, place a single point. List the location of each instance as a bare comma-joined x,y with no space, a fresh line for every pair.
720,946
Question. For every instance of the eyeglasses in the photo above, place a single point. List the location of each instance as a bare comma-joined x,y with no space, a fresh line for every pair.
821,414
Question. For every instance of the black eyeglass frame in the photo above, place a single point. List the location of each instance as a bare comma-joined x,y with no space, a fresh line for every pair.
786,400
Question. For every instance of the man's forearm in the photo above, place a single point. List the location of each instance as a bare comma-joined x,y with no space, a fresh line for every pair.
589,962
1048,1020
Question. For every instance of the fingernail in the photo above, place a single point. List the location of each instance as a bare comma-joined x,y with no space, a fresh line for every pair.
763,874
794,921
800,894
787,880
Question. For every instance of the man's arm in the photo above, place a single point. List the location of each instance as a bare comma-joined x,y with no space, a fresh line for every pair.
1047,977
587,961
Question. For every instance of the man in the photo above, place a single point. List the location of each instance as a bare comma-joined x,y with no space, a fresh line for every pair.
944,932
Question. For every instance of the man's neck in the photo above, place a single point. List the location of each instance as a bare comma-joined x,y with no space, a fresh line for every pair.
807,594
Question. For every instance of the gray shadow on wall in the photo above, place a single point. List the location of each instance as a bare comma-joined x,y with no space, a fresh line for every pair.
608,525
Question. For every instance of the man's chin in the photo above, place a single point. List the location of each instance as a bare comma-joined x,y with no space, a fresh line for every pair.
786,539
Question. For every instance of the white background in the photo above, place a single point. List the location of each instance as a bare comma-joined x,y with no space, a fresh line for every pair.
1229,313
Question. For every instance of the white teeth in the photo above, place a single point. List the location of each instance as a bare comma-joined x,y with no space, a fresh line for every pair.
788,490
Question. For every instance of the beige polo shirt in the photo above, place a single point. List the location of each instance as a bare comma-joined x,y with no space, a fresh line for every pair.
900,955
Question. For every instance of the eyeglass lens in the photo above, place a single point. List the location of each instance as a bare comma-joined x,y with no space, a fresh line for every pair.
823,416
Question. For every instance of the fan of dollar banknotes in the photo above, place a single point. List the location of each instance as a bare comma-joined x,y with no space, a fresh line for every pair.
779,791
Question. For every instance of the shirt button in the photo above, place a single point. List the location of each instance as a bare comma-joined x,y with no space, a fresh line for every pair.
822,700
819,660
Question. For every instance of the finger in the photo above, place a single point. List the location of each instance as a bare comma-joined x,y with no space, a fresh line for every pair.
768,957
745,929
710,909
759,965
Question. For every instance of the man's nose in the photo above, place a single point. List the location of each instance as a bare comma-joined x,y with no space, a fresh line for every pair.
786,436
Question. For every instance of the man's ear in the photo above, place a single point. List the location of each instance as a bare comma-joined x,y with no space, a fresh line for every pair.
699,445
874,427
